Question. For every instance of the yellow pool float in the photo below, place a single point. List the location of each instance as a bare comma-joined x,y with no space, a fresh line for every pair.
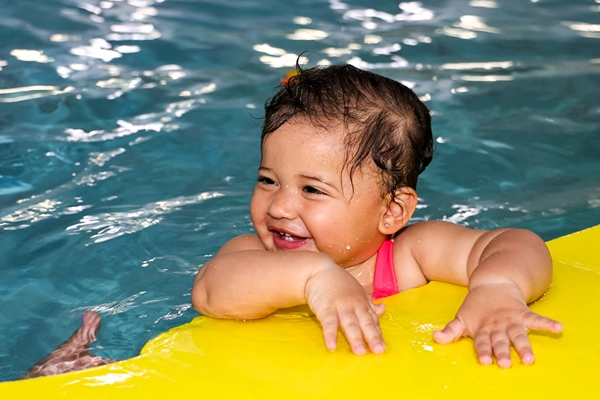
283,356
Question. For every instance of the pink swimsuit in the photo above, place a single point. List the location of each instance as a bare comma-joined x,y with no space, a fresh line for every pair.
384,280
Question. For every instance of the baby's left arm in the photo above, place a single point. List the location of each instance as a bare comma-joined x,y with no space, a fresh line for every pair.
504,269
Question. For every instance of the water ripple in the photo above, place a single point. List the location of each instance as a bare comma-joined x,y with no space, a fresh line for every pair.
14,95
99,135
24,217
112,225
113,307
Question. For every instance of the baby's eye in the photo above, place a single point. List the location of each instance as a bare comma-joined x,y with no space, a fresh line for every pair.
313,190
265,180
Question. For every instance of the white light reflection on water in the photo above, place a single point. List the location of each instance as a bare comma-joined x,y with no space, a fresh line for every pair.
338,52
98,48
24,217
411,11
463,213
269,50
584,29
113,307
483,3
483,78
178,312
115,22
396,62
277,58
14,95
456,32
387,50
113,225
125,129
302,20
63,37
31,56
308,34
475,23
372,39
479,65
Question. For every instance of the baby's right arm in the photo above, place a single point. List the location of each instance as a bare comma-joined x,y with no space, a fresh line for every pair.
245,281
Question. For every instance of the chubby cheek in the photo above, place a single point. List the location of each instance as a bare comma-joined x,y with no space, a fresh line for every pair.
258,214
347,240
332,235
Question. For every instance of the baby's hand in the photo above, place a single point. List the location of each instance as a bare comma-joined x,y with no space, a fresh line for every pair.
496,317
339,301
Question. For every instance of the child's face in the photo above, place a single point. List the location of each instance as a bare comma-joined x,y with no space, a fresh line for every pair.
303,201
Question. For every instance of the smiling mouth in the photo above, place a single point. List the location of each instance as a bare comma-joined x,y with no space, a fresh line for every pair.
287,241
288,237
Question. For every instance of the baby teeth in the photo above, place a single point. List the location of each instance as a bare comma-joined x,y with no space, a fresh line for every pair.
286,236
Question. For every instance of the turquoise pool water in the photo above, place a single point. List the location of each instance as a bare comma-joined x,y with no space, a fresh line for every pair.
129,135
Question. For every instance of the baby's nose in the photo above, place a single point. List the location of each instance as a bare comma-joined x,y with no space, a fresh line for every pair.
283,204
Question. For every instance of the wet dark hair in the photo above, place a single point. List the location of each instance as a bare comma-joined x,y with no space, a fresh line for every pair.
385,122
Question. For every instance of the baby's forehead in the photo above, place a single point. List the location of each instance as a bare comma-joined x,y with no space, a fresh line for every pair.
333,132
329,143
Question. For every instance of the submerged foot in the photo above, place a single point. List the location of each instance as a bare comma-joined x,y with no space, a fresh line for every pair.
72,354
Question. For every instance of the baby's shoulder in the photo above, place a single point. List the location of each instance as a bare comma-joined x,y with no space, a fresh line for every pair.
432,242
240,243
428,235
430,231
419,231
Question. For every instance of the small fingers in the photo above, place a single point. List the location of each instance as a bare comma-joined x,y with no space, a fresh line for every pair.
451,332
498,343
329,325
372,331
536,322
360,327
483,347
352,330
520,341
501,348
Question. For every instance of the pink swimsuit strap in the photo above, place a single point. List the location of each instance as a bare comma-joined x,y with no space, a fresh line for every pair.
384,280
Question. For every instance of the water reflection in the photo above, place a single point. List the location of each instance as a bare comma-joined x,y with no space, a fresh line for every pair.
411,11
308,34
475,23
18,94
31,55
115,224
584,29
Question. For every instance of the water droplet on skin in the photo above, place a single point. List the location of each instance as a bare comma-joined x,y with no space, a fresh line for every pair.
348,247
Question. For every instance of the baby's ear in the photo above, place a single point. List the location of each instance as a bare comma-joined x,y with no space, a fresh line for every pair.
399,210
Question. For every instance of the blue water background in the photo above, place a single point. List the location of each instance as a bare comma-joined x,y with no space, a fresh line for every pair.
129,137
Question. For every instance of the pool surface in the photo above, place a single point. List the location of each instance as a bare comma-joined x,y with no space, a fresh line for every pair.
129,137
